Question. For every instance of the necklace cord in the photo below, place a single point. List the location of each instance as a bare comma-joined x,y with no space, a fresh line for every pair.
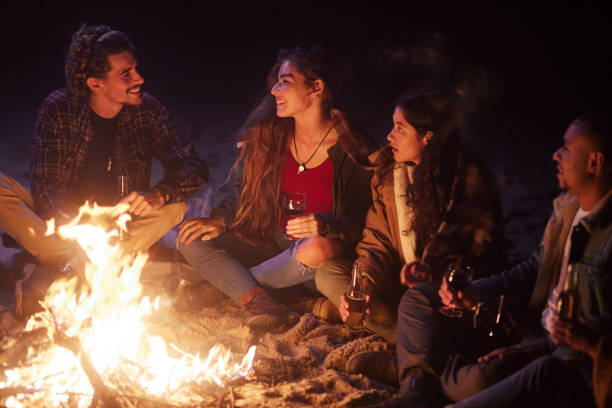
297,155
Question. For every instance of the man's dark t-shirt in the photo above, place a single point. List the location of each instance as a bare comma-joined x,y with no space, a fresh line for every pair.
97,177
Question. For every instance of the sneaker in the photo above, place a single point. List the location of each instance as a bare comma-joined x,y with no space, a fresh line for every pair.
378,365
266,311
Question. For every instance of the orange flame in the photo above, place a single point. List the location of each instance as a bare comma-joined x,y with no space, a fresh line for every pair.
106,312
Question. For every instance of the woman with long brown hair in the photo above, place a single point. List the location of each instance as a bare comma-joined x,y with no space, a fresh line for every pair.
435,202
294,142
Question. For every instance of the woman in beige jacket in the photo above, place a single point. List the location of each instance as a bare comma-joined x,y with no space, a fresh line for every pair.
434,203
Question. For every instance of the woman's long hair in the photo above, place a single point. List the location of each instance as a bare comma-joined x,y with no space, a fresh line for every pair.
263,141
429,194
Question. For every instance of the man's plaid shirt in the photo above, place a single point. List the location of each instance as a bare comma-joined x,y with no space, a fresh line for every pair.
63,135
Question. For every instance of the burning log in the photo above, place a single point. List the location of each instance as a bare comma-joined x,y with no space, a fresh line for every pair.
101,392
14,350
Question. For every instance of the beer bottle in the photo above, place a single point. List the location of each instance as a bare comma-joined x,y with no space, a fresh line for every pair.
568,303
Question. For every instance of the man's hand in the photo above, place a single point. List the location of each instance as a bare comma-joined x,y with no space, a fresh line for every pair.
413,273
462,299
142,203
573,334
305,226
205,228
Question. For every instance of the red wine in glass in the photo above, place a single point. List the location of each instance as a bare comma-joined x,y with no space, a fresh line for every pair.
457,279
293,205
294,212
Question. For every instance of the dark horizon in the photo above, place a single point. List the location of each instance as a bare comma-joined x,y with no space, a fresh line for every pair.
551,58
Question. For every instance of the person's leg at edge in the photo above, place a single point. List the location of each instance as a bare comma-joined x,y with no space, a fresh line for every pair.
545,382
146,230
463,377
19,220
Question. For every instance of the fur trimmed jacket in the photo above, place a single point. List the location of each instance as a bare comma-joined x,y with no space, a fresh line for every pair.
470,229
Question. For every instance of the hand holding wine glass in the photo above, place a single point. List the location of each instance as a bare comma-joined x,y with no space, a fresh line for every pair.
293,205
456,292
306,226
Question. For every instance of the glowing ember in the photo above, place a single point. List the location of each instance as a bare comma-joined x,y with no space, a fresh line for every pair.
105,310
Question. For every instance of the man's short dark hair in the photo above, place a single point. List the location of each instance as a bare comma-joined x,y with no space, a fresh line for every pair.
597,126
88,52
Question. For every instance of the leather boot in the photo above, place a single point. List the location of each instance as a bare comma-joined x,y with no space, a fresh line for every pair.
326,310
378,365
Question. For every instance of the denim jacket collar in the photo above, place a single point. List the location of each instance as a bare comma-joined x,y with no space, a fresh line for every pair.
598,214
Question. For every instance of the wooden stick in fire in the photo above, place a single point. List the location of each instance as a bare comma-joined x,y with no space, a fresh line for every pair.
100,391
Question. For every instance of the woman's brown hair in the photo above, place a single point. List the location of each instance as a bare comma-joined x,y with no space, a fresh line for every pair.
439,112
263,141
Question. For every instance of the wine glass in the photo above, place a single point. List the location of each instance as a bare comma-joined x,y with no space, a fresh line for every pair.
293,205
457,279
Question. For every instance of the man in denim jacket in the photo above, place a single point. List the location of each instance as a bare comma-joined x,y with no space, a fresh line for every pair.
531,371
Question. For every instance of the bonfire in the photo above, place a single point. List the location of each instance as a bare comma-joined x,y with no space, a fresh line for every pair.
96,349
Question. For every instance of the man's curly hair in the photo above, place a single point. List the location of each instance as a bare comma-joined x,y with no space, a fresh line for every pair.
88,52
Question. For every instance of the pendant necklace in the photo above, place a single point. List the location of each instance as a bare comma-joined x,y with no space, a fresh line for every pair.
302,164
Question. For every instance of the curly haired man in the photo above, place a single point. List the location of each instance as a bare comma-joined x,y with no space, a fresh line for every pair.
101,126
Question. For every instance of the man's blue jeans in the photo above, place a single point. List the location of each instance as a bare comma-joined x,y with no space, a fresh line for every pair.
236,267
447,348
546,382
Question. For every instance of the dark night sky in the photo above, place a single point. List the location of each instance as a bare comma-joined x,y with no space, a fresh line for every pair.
211,60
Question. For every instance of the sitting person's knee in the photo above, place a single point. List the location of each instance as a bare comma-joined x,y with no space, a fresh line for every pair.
329,271
175,212
317,250
323,274
421,295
